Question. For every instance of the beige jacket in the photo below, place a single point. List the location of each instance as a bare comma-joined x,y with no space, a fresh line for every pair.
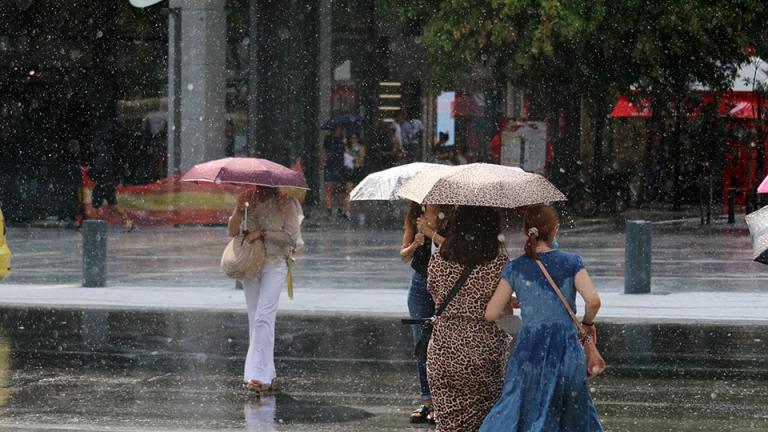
280,218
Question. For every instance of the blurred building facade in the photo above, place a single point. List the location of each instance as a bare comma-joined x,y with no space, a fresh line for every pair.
83,77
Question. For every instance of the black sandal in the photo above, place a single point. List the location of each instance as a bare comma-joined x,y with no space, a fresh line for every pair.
422,414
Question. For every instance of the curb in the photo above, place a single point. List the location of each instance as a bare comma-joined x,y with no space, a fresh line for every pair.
167,338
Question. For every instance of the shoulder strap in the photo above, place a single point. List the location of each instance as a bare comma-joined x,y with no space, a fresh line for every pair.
560,294
455,289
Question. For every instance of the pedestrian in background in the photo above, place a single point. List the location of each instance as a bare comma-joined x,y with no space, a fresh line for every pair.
105,190
276,220
354,167
465,357
394,152
423,233
546,385
410,131
333,170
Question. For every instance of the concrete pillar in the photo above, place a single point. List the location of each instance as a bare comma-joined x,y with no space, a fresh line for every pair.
202,107
174,92
253,76
324,78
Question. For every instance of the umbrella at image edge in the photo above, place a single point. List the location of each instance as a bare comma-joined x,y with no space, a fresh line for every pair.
758,227
247,172
763,188
481,184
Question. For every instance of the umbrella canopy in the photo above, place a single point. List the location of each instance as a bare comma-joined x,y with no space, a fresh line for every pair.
758,227
480,184
763,188
346,120
383,185
246,171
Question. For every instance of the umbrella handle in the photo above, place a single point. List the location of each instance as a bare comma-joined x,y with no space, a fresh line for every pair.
244,222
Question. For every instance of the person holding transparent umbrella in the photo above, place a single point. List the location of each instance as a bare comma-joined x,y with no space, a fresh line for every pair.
424,232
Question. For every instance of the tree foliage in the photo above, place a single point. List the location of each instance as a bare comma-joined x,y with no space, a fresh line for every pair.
592,45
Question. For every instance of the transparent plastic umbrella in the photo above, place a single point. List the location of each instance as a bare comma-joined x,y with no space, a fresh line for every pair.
383,185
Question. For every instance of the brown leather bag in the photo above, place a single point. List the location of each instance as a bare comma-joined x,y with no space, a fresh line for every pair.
588,338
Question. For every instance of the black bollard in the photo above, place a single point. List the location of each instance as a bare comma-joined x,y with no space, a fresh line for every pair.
732,203
637,257
238,285
94,253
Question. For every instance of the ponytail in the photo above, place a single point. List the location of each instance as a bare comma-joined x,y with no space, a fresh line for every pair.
539,223
530,243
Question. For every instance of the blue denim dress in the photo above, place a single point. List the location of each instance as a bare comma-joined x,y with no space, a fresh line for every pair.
546,387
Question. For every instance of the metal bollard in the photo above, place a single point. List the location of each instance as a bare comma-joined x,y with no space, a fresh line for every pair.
637,257
94,253
732,205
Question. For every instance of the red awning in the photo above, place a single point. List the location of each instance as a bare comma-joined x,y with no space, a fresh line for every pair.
625,108
741,105
735,105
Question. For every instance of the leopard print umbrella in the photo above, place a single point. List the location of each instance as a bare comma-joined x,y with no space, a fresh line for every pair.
480,184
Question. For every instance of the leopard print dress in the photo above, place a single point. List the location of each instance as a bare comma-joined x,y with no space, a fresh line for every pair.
466,355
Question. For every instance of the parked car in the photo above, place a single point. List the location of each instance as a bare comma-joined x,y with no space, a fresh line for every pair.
5,252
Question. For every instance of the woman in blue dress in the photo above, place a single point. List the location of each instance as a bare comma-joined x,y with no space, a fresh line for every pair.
546,387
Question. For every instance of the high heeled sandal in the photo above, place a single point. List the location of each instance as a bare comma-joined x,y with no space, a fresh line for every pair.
259,387
423,414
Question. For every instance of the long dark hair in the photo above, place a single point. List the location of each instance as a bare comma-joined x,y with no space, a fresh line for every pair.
414,211
473,235
539,223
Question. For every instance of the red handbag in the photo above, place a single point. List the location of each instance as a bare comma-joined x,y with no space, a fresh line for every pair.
588,336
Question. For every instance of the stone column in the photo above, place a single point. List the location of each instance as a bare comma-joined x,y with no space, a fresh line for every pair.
253,77
202,105
324,81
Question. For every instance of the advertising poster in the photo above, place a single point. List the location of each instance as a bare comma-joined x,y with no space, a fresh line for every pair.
524,145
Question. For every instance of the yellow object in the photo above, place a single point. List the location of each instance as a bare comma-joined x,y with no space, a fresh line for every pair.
289,277
5,371
5,252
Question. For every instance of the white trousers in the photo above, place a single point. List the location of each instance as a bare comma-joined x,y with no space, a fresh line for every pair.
262,293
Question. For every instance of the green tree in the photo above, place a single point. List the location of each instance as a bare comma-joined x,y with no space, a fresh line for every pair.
564,52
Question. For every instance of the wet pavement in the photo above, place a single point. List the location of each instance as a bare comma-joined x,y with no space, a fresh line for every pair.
361,397
89,370
685,257
112,368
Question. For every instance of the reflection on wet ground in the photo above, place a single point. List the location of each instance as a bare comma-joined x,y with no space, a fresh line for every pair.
147,371
340,398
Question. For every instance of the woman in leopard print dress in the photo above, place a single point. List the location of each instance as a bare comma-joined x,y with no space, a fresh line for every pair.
465,358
